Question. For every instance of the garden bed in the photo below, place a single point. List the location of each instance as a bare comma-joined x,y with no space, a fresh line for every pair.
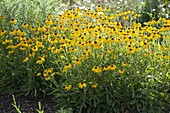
91,58
27,104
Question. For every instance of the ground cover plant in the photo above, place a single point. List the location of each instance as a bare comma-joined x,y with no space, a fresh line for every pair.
91,60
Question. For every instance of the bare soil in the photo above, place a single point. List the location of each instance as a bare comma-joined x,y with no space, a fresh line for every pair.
27,104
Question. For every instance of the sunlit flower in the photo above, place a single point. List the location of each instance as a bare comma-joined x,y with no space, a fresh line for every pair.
49,22
41,29
32,28
77,62
7,41
10,52
34,48
68,87
67,66
47,78
2,32
114,56
94,86
82,85
124,64
50,16
120,71
130,50
106,68
40,60
97,69
38,74
125,17
12,21
112,67
26,59
3,17
25,25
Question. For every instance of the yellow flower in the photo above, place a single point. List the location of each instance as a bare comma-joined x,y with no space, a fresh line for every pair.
106,68
94,86
13,32
68,87
49,16
25,25
77,9
163,63
99,8
21,33
87,50
73,50
112,67
97,69
45,73
38,74
7,41
114,56
39,44
3,17
48,22
67,66
124,64
26,59
82,85
120,71
52,74
31,55
47,78
42,29
41,60
34,48
77,61
12,21
137,16
22,48
137,49
130,50
57,51
32,28
85,55
125,17
10,52
109,50
2,32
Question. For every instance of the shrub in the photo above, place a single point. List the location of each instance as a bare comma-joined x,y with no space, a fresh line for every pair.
89,61
154,9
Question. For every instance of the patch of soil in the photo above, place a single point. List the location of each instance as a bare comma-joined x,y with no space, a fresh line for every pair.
27,104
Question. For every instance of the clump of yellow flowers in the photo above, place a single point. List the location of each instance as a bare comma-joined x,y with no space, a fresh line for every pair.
86,40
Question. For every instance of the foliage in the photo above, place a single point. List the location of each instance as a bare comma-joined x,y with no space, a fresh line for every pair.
154,9
91,60
62,110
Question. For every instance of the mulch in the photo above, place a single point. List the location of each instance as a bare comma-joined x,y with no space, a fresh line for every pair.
27,104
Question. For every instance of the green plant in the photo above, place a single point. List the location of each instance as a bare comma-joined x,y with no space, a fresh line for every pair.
39,110
15,105
154,9
34,12
88,60
62,110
